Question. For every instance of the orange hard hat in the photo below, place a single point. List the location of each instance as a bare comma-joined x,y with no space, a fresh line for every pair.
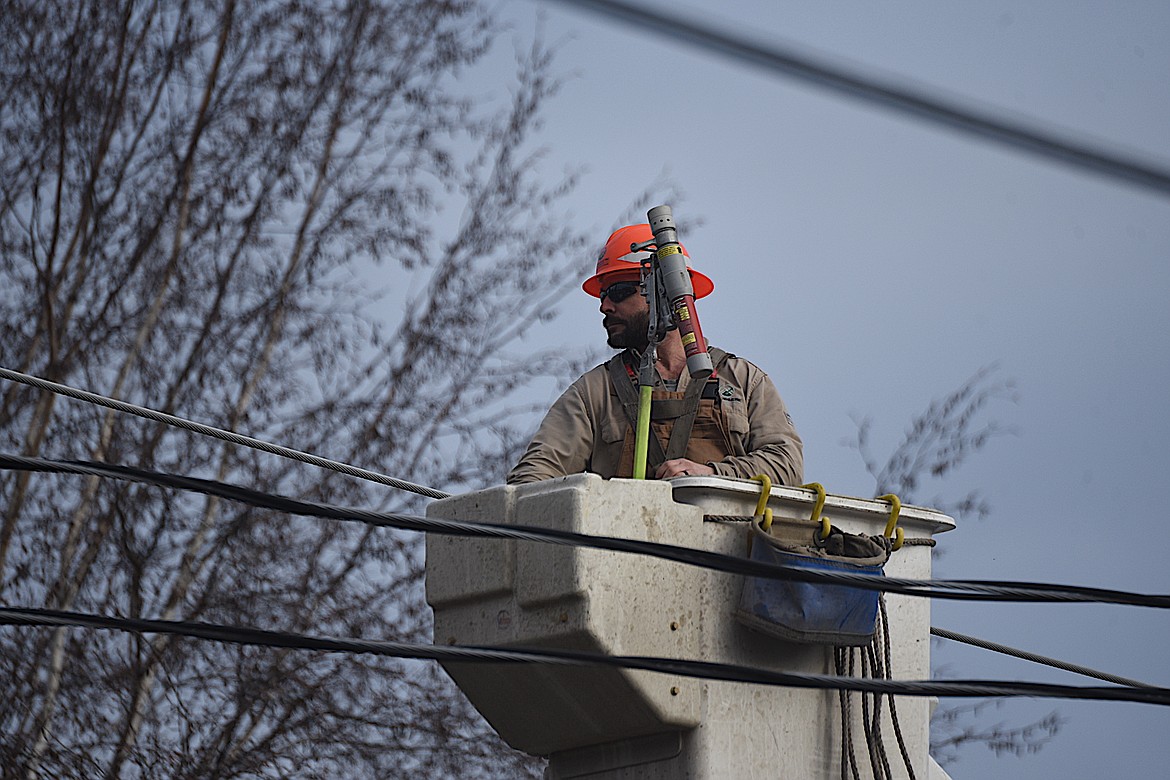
618,263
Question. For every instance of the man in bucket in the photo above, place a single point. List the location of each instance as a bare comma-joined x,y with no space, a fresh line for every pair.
733,424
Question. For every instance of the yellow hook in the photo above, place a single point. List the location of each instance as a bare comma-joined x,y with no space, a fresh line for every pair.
892,529
762,510
822,533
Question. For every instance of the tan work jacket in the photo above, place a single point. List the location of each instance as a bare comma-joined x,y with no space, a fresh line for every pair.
587,428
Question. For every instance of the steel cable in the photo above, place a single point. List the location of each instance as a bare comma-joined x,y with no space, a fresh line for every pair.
708,670
968,590
916,102
943,633
218,433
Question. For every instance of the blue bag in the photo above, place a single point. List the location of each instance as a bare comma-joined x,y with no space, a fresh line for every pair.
810,612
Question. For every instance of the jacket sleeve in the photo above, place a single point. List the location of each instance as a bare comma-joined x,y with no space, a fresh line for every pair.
772,446
563,443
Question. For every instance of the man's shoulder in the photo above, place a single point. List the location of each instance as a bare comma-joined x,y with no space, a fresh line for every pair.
596,376
601,369
730,359
741,370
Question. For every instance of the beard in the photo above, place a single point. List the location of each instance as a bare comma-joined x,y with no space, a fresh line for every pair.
634,333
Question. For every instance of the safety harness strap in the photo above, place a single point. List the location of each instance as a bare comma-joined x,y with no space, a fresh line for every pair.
680,435
628,395
684,410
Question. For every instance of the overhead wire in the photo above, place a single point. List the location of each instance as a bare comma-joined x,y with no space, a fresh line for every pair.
917,102
899,97
258,498
218,433
967,590
1055,663
708,670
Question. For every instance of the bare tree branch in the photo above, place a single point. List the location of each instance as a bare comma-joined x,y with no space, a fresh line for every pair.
938,441
197,202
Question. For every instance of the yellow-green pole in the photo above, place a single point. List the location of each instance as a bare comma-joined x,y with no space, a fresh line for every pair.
642,434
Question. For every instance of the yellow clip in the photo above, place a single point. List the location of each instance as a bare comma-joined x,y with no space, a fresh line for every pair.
762,510
822,533
892,529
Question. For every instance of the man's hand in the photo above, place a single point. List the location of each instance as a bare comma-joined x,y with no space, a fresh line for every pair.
681,467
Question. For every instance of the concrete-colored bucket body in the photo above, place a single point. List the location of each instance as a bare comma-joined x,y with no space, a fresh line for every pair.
611,723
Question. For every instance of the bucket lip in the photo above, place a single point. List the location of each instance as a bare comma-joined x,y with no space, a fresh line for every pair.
800,501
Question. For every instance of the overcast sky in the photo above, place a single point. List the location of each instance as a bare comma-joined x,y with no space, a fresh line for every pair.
871,262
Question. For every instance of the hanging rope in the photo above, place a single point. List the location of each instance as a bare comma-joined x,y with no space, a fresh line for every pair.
874,660
889,674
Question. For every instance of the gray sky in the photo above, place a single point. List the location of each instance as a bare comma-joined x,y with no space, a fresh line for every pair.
870,263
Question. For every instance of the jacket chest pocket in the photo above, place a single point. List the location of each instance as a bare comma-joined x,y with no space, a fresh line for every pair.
613,427
735,422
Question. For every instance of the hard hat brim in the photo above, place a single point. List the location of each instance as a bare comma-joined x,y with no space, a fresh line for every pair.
593,285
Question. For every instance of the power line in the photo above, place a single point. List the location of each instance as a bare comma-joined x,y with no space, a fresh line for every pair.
218,433
916,102
707,670
732,564
965,590
943,633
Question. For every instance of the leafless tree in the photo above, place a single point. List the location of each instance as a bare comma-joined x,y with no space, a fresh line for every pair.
208,207
957,726
938,441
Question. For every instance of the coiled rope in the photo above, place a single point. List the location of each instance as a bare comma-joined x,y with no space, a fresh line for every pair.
875,662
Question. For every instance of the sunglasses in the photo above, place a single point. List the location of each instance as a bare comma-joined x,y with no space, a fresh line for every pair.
619,291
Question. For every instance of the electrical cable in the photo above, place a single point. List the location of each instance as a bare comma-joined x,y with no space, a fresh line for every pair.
730,563
915,102
801,66
943,633
218,433
968,590
707,670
